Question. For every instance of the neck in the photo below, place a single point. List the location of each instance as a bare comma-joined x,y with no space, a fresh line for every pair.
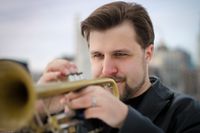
143,88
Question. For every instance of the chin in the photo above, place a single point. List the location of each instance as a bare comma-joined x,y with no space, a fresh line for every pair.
121,87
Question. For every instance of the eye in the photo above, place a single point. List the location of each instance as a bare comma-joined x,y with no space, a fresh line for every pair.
97,55
120,54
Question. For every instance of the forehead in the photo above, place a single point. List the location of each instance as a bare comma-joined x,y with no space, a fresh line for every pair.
120,36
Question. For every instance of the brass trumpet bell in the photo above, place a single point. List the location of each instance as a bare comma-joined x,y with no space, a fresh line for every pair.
17,96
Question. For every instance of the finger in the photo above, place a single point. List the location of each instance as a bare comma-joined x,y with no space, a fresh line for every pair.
89,90
61,65
57,65
95,112
85,101
69,112
54,105
100,114
84,98
75,94
64,103
67,109
49,77
73,68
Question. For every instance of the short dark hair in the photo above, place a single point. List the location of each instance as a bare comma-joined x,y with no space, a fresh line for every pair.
113,14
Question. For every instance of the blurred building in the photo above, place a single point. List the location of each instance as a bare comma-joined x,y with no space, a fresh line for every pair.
198,62
82,55
175,69
198,47
198,82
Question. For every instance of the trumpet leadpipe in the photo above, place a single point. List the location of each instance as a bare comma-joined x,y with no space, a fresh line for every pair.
52,89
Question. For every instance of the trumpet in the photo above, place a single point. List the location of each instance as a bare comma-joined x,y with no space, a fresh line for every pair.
18,94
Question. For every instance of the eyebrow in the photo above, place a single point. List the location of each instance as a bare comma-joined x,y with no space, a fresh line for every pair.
114,51
93,52
122,50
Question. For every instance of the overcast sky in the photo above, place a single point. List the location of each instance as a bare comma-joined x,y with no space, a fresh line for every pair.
40,30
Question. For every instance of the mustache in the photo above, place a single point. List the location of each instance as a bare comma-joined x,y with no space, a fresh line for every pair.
118,79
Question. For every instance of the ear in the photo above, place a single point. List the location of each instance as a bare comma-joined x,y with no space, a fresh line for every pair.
149,52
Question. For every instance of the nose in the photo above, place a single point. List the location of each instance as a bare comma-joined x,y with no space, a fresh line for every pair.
109,67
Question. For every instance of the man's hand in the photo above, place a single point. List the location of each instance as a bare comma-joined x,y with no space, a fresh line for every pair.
56,71
98,103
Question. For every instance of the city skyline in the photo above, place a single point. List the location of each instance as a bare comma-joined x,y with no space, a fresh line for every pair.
38,31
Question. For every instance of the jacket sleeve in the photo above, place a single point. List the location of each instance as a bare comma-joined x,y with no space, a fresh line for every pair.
187,115
135,122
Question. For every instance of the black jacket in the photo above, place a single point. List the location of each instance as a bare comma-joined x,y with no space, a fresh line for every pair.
163,111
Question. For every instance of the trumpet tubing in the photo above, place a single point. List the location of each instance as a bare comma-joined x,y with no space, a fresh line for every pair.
18,93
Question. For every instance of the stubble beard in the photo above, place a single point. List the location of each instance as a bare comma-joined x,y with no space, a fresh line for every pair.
129,91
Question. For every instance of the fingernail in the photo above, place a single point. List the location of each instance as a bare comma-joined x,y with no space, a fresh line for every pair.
66,72
62,101
72,70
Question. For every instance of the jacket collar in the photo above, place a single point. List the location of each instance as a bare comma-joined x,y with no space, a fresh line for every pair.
156,99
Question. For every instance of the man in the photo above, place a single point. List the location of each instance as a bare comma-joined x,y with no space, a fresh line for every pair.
120,39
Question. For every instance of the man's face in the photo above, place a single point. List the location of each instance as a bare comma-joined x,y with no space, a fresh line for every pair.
116,54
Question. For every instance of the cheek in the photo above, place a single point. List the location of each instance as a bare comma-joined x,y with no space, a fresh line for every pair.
96,70
132,70
136,73
127,68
